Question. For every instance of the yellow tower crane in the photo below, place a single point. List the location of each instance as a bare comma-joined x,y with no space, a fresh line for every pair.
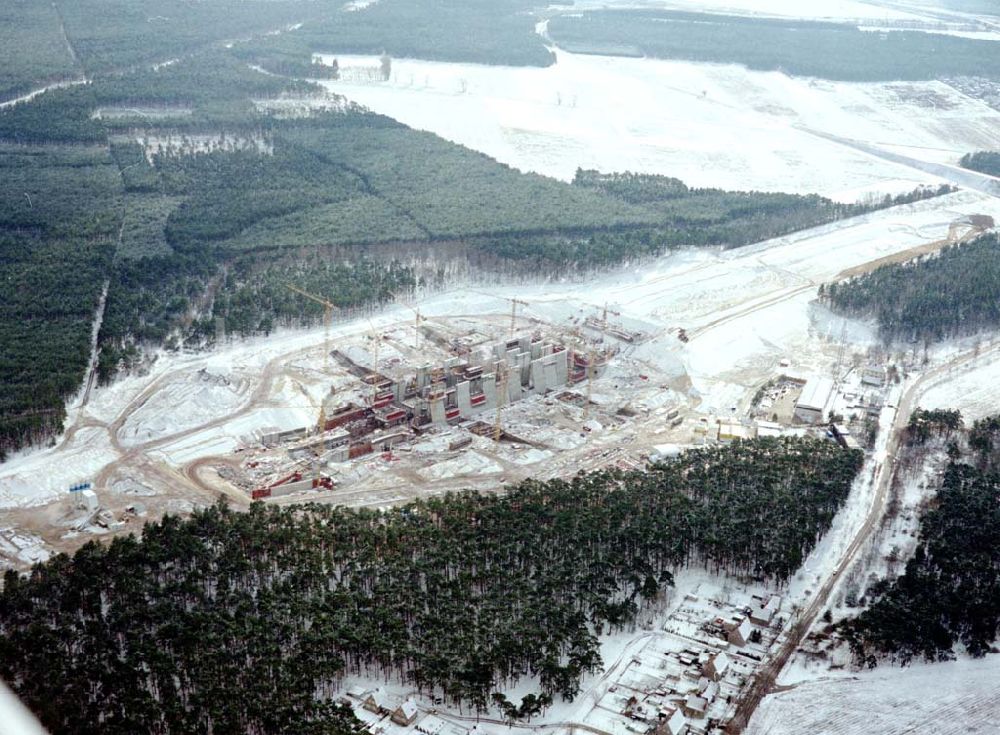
514,303
328,309
418,317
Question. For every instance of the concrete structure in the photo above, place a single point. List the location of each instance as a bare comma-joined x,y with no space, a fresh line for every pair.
357,691
811,406
430,725
763,614
768,428
844,437
661,452
277,437
88,501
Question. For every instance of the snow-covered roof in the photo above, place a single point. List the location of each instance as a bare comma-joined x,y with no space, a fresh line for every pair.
696,703
408,709
666,450
816,393
721,662
357,691
676,723
379,698
710,692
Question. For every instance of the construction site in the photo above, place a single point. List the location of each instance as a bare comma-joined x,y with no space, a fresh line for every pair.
432,403
478,388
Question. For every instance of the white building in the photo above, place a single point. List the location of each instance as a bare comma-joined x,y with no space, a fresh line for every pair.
812,404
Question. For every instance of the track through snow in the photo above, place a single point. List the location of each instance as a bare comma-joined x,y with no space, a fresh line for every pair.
875,480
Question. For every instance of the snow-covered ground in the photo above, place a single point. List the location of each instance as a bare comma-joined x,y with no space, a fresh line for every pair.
708,124
944,698
974,391
813,10
745,310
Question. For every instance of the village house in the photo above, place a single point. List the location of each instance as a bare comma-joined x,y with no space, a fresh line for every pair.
406,713
717,666
739,634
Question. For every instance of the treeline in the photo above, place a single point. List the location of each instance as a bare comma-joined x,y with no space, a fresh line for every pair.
949,595
33,51
685,217
254,300
117,35
210,185
114,36
951,294
247,622
477,31
986,162
59,215
925,424
807,48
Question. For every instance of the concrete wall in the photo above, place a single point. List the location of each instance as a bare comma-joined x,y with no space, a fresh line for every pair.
463,397
437,411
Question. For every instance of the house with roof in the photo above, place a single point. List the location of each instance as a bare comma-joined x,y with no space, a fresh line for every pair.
739,634
377,702
694,706
406,713
672,724
717,666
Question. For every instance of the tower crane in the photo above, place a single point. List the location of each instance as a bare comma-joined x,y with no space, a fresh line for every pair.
513,312
376,375
582,346
328,309
514,303
604,315
418,317
503,375
591,359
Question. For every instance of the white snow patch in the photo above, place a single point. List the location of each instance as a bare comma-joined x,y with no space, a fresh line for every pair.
942,698
707,124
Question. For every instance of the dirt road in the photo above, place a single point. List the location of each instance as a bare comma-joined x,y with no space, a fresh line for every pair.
884,466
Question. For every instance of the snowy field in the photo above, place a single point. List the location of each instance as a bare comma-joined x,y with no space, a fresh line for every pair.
953,698
711,125
812,10
975,391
